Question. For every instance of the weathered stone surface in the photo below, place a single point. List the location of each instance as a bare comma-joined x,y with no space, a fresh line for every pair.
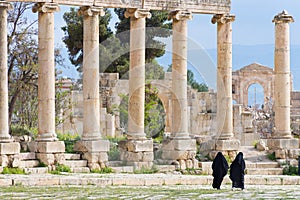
9,148
178,155
140,165
46,158
92,146
189,164
180,145
228,145
4,161
261,146
182,164
281,153
275,144
206,167
51,147
136,145
294,153
27,156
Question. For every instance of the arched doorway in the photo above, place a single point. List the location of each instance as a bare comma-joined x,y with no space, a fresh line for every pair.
255,96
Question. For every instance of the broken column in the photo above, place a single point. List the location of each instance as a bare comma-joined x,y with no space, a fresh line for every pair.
137,150
9,150
93,147
49,150
180,148
282,140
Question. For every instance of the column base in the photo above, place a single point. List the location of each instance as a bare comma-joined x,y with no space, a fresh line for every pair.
9,154
91,136
181,136
7,139
50,153
282,135
136,136
137,153
46,137
180,151
284,148
95,152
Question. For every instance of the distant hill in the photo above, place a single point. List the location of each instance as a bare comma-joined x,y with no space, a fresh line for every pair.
204,61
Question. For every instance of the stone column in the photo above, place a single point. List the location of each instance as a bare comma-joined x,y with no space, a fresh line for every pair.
137,73
93,147
8,149
282,90
179,74
181,148
282,142
137,150
224,138
4,126
49,150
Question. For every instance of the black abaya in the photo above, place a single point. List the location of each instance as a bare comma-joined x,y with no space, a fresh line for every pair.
237,171
220,169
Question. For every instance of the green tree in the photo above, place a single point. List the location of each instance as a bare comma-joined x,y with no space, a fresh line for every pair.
74,34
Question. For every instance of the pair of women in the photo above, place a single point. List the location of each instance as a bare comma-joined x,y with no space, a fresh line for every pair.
237,170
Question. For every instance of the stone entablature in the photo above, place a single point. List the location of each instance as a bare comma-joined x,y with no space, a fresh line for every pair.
195,6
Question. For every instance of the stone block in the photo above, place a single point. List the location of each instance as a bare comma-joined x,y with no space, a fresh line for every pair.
294,153
290,180
131,156
10,148
273,180
227,145
206,167
27,156
46,158
32,146
72,156
136,145
140,165
51,147
59,158
195,164
281,153
189,164
275,144
207,146
185,145
4,161
148,157
92,146
182,164
178,155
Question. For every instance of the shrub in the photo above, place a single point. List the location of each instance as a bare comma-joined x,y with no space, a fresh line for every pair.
271,156
13,170
290,170
69,140
61,168
105,170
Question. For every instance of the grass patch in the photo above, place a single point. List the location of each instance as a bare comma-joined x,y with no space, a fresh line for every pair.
61,168
105,170
13,170
145,170
271,156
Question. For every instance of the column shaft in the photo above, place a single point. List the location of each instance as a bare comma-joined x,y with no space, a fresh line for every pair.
4,126
46,71
179,74
137,73
91,112
224,76
282,86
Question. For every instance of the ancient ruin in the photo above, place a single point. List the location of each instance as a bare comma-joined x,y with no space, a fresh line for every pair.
210,118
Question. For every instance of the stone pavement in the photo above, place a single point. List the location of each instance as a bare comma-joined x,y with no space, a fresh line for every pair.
137,179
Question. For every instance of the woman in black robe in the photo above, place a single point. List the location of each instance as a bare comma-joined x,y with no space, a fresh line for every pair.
237,171
220,169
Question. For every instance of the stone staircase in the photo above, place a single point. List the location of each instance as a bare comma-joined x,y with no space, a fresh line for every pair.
257,162
30,163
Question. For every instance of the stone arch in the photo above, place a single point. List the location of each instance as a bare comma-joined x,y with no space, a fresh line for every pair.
248,75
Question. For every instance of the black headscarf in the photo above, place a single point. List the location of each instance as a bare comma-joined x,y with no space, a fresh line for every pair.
237,171
220,169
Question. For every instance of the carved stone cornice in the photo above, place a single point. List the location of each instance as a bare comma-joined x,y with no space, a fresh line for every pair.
6,5
45,7
223,18
90,11
283,17
137,13
180,15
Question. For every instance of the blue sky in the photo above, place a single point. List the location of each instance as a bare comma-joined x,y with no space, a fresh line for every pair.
253,26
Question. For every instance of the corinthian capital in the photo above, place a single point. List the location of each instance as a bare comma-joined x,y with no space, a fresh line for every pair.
137,13
5,4
45,7
283,17
223,18
180,15
91,11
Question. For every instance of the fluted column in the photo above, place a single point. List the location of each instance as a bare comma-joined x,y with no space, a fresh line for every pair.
282,88
179,74
91,114
4,126
137,73
46,71
224,76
